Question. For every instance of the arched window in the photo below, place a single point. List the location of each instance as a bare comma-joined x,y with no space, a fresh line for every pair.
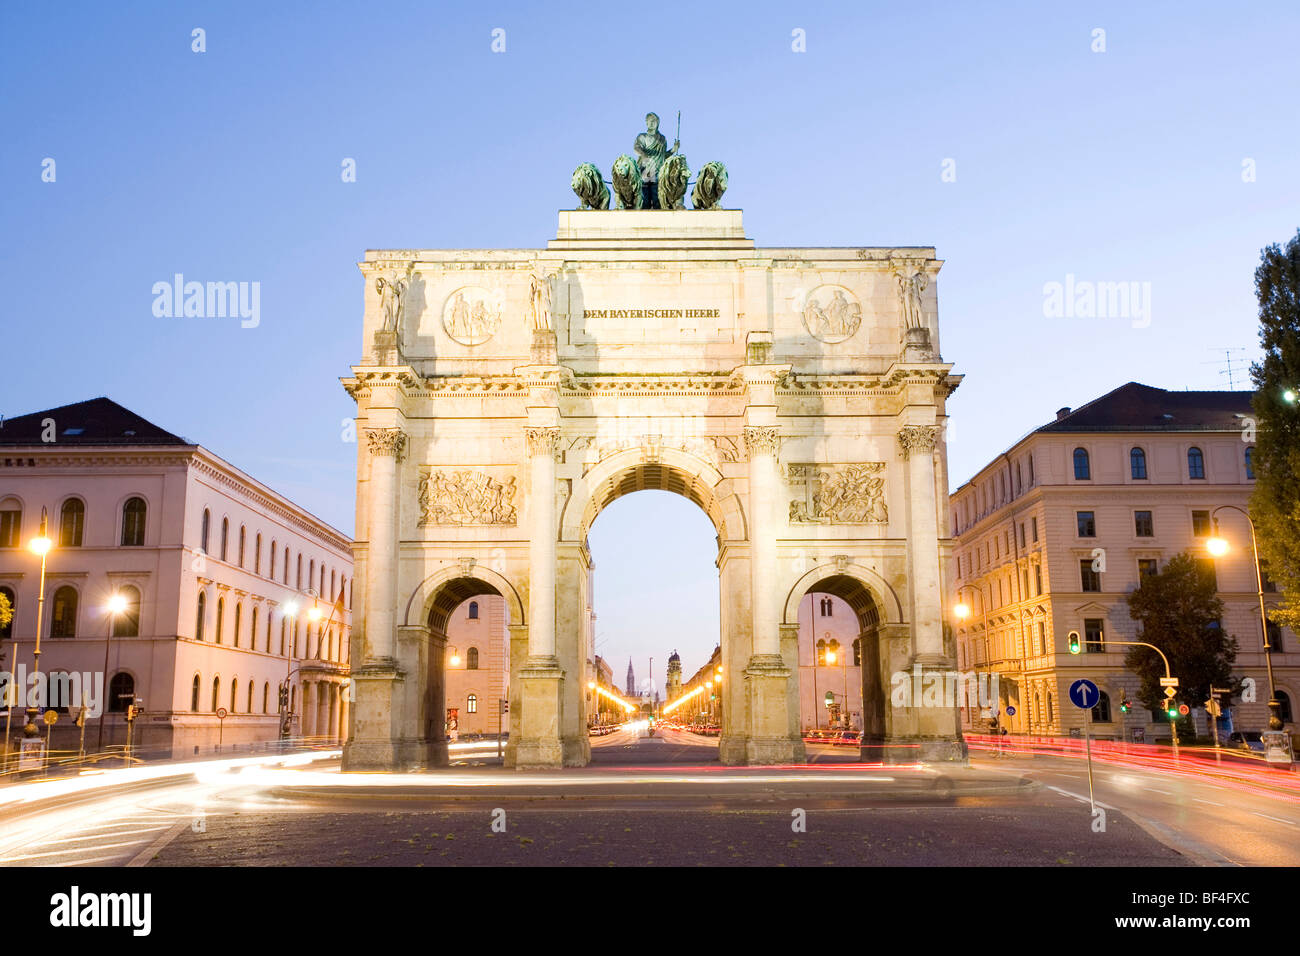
828,607
127,623
121,691
257,554
241,545
239,615
311,571
1137,464
203,530
249,708
225,536
332,591
321,589
1250,463
1050,714
286,564
11,523
234,693
473,610
1284,707
216,693
282,637
7,630
63,620
268,630
271,570
471,704
72,520
266,695
821,653
133,514
1195,463
252,631
1101,713
1082,471
221,618
298,579
833,652
471,659
200,612
194,694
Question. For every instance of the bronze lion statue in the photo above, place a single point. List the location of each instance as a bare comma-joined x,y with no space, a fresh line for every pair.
590,187
627,183
674,174
710,186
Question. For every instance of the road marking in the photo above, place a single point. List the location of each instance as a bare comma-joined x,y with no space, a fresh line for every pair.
33,856
1278,819
1210,802
87,836
98,859
1167,793
148,853
1080,798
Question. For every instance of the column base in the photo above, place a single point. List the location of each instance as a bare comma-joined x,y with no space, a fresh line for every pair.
375,743
770,740
732,751
539,745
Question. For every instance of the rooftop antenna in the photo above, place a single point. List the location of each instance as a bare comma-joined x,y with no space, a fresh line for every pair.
1231,363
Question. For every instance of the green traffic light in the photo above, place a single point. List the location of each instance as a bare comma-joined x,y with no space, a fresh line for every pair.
1074,642
1289,396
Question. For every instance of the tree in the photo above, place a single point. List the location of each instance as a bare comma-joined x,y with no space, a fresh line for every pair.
1178,611
6,615
1275,503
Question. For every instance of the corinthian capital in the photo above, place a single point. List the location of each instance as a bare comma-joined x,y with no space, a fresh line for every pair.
761,440
386,441
542,441
916,438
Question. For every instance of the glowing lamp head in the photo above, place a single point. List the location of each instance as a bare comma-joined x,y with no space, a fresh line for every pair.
1217,547
314,614
117,603
962,610
455,660
291,609
830,657
41,545
591,685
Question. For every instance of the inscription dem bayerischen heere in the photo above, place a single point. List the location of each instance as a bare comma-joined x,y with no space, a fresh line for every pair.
651,313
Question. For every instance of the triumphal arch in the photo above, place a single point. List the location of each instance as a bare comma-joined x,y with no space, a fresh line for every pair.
506,396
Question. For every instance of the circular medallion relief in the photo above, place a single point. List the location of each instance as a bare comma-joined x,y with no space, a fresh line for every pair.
472,315
831,313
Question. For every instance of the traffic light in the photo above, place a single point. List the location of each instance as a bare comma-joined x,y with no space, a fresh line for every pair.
1074,642
830,698
284,697
1125,705
1171,708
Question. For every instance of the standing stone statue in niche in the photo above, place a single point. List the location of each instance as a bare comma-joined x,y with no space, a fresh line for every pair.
392,298
912,282
652,150
539,297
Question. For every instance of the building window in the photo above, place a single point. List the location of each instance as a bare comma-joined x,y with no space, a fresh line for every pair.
1195,463
249,708
1086,524
1040,639
252,631
1038,579
298,579
821,653
239,615
1093,635
1265,582
221,618
471,704
827,607
241,549
268,630
1019,483
1050,716
1284,707
257,554
127,624
1091,580
1033,527
1031,471
1147,566
286,564
1022,536
271,568
216,693
1250,463
1082,471
471,659
7,630
11,522
1207,568
282,637
1101,713
1137,464
225,536
63,621
133,514
311,571
72,519
194,694
199,614
121,691
266,695
473,610
234,695
203,530
1200,524
1143,525
1274,637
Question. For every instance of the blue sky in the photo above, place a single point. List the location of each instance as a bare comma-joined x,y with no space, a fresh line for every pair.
1124,165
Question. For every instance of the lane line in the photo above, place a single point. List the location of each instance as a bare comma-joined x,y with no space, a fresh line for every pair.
1278,819
86,837
35,856
147,854
1210,802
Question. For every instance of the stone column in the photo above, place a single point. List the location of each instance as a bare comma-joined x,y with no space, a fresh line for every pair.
308,708
541,677
918,443
376,730
770,739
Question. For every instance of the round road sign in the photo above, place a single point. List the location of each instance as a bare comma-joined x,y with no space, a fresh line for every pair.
221,713
1184,709
1084,694
51,716
1011,711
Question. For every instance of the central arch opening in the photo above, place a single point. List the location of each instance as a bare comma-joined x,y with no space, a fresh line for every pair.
657,635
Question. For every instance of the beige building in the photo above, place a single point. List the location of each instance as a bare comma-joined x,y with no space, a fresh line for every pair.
478,665
225,588
1053,533
830,662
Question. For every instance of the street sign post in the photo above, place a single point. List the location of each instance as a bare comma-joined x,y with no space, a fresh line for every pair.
1169,682
1085,695
221,725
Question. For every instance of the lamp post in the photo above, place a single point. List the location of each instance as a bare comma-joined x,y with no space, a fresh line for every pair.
117,604
961,610
831,657
1218,547
40,545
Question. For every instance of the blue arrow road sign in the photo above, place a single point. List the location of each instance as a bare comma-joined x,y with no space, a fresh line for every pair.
1084,694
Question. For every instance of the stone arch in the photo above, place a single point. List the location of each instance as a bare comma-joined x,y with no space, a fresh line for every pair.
667,469
453,584
821,578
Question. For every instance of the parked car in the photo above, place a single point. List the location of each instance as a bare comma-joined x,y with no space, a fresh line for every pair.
848,738
1246,740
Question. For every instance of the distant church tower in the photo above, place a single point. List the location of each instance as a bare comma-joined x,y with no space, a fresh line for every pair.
674,688
631,679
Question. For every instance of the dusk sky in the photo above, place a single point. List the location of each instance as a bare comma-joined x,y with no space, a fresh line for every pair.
1171,158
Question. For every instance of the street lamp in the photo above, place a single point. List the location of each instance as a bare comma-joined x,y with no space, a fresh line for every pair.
961,610
39,545
1218,547
117,605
